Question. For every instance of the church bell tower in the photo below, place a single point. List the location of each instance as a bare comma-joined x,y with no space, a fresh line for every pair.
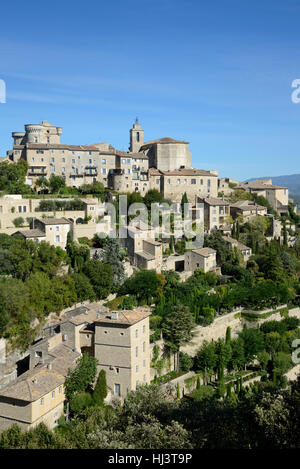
136,137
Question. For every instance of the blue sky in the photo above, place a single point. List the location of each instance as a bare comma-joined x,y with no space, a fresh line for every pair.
217,74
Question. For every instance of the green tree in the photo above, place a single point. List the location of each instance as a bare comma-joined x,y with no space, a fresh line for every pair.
177,329
100,276
81,377
100,391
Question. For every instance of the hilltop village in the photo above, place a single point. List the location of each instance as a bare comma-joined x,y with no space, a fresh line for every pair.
148,308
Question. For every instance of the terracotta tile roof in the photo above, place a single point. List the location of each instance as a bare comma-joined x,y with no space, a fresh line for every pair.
56,146
125,317
236,243
182,172
32,233
259,186
163,140
54,221
205,252
246,205
35,383
213,201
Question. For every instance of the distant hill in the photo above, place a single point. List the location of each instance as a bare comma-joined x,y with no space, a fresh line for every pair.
291,181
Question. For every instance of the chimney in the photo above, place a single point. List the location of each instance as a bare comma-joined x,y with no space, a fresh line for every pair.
114,315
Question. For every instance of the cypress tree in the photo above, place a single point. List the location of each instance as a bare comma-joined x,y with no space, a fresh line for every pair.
178,391
228,335
100,391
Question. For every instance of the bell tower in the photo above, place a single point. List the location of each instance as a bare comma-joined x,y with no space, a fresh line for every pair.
136,137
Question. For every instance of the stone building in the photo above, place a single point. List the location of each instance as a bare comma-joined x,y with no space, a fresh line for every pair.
216,213
121,171
194,182
247,209
37,396
123,350
167,154
200,259
52,230
245,250
277,196
143,250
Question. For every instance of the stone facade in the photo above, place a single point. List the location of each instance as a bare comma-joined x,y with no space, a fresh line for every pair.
277,196
216,213
123,350
194,182
200,259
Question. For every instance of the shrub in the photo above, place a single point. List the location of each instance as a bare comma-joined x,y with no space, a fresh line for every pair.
19,221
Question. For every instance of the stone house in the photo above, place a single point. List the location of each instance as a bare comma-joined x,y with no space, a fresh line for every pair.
200,259
277,196
247,209
123,350
143,250
51,230
245,250
37,395
216,213
194,182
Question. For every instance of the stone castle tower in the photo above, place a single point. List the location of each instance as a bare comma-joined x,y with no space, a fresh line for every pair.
136,137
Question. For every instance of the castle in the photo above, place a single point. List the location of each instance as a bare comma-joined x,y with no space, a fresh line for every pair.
163,164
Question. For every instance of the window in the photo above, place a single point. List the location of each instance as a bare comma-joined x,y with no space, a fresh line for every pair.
136,351
90,161
123,161
53,394
136,368
144,378
178,181
57,239
193,181
169,181
103,161
117,390
41,152
184,181
52,160
144,346
157,181
103,170
144,329
208,182
42,401
73,161
57,228
128,161
201,182
59,389
63,160
136,333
